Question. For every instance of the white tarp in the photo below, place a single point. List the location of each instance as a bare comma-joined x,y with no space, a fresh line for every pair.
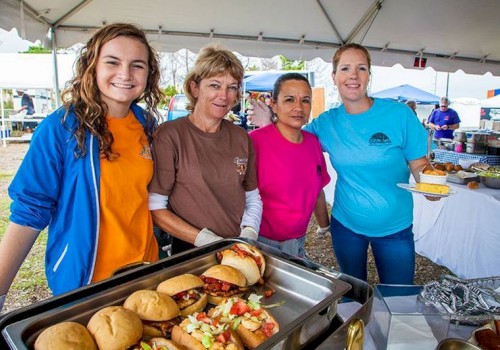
33,71
450,34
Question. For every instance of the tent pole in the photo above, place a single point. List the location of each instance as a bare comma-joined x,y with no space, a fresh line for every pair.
56,72
4,131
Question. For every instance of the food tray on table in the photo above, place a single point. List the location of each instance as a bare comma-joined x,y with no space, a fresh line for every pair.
462,177
305,290
468,301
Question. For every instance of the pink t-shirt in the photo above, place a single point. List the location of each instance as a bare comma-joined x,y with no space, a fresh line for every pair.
290,177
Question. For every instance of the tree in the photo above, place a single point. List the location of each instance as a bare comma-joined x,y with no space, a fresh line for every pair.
287,64
37,50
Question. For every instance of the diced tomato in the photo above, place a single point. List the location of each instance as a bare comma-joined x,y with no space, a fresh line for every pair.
201,316
223,337
256,312
239,308
226,287
179,295
268,293
268,329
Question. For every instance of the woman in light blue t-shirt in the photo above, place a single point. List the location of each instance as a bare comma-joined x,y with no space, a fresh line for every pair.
373,144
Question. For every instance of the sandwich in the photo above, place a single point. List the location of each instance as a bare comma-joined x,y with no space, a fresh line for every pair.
253,323
222,282
200,332
115,328
246,258
157,311
187,292
65,335
158,344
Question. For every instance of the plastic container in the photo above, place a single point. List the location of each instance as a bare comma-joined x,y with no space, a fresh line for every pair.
400,320
466,163
433,179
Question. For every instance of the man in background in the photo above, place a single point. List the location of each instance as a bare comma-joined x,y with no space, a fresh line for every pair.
444,120
26,102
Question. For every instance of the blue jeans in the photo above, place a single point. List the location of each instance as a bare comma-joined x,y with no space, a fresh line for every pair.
295,247
394,254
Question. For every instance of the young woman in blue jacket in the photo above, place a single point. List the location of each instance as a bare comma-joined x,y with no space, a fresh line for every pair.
86,172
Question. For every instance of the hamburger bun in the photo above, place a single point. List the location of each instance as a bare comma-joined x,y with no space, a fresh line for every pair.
151,305
115,328
224,273
244,257
155,310
185,283
65,336
227,274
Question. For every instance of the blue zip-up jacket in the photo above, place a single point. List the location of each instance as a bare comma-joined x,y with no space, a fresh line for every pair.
54,188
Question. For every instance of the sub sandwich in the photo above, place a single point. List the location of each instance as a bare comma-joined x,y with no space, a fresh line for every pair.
253,323
200,332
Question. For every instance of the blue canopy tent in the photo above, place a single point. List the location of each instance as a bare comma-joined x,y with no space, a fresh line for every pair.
261,82
407,92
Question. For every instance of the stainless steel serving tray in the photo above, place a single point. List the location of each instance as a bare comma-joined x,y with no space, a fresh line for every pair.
309,294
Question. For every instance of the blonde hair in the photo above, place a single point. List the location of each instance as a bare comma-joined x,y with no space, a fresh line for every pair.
213,60
82,96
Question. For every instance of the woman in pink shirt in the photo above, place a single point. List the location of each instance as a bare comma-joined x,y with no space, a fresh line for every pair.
291,169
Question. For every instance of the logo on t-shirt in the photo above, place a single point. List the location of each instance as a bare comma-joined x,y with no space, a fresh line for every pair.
241,165
146,152
379,139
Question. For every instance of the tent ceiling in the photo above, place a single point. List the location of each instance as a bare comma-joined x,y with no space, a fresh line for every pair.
451,34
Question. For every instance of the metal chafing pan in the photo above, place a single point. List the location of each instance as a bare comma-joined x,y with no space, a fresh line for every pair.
307,317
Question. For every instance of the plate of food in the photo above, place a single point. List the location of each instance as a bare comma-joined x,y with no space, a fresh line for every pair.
431,190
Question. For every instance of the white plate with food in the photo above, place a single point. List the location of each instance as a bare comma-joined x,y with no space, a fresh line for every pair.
411,188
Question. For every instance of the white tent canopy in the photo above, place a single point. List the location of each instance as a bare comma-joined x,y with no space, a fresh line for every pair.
449,34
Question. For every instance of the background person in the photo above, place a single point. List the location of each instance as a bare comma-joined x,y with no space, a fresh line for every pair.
26,103
413,105
444,120
204,186
291,169
373,145
86,172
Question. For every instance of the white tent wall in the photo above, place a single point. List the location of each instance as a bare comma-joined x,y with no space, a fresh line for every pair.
34,71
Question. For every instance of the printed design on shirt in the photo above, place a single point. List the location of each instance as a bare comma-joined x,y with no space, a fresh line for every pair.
241,165
379,139
146,152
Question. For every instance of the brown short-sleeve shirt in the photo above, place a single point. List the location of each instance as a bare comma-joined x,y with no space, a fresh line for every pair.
205,175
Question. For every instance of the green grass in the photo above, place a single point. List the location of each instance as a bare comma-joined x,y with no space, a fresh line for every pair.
30,284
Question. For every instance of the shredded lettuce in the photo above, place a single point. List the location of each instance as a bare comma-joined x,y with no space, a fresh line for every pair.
255,298
206,340
145,346
269,306
236,322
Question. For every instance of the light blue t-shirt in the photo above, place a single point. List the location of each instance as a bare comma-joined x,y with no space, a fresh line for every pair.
370,153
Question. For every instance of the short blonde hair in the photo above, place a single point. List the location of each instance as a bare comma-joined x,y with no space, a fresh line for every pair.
213,60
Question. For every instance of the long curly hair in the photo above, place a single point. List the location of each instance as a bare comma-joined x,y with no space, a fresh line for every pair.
82,96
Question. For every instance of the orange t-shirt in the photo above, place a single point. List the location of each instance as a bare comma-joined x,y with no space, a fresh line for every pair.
126,227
